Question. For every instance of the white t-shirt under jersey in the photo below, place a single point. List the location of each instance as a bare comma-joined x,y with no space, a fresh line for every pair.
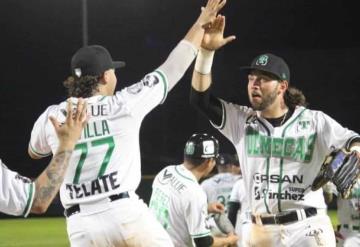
106,159
279,164
179,203
16,192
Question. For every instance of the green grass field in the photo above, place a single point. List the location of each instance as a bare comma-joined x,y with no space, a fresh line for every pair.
41,232
33,232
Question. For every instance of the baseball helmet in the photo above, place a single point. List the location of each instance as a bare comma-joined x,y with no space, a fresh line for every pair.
201,145
227,159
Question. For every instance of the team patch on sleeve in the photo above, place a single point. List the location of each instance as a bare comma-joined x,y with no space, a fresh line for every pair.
165,83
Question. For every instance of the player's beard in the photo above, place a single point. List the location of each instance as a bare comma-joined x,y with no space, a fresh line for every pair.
266,100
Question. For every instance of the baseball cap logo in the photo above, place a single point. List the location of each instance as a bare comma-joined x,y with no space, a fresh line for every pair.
190,148
262,60
78,72
208,147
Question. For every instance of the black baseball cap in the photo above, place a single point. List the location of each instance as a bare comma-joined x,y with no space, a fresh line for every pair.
93,60
226,158
201,146
270,63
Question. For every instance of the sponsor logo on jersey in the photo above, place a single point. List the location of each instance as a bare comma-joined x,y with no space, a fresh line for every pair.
100,185
298,149
285,195
168,178
275,178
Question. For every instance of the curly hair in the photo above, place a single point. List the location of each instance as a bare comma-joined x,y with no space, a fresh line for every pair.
84,86
294,97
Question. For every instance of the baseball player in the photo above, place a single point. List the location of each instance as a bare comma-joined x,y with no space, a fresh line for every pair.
218,187
19,195
281,146
178,200
98,193
238,211
348,213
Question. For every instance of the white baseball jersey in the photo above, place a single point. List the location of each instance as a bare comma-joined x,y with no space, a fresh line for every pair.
279,164
179,203
218,187
106,159
16,192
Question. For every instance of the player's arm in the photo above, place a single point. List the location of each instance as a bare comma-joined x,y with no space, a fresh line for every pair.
200,96
233,208
48,183
33,155
230,239
38,147
185,52
211,241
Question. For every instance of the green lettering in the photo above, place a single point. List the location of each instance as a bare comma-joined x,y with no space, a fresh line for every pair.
277,147
289,146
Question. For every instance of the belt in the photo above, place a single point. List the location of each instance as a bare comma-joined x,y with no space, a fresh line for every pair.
76,208
354,228
284,217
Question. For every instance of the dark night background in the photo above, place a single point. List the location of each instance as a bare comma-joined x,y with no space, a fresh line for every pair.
318,39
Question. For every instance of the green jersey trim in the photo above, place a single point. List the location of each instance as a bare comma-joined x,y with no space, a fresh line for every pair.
164,80
29,200
102,98
200,235
267,170
182,175
37,153
282,159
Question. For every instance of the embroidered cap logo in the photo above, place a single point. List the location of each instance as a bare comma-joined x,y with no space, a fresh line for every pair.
190,148
263,60
78,72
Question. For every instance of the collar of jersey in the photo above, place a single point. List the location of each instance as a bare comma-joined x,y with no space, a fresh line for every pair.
92,99
296,112
185,173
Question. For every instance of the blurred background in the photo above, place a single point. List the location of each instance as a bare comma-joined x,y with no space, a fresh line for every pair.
318,39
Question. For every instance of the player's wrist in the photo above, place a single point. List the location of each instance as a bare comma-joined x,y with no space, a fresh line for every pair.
204,61
66,146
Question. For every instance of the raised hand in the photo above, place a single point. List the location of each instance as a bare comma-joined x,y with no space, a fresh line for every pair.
70,131
209,12
214,35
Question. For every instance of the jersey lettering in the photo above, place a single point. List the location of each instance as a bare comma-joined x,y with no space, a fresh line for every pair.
285,195
274,178
109,141
297,149
168,178
96,129
99,110
100,185
160,204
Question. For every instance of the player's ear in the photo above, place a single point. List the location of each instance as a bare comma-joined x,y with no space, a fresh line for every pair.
283,86
105,78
